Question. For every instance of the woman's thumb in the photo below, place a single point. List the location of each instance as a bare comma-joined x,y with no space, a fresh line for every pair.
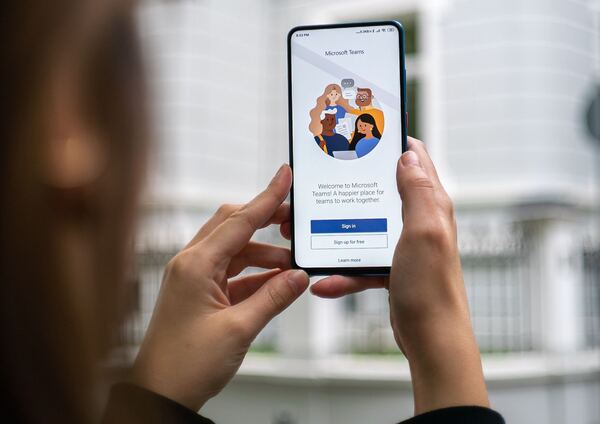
272,298
415,187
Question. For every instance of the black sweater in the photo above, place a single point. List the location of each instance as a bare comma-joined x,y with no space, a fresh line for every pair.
132,404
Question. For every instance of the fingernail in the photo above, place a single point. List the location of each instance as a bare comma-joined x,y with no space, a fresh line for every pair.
298,280
410,158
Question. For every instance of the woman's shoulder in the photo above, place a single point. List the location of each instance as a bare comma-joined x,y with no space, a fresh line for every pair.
367,141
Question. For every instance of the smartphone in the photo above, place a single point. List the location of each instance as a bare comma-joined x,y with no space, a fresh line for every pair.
347,130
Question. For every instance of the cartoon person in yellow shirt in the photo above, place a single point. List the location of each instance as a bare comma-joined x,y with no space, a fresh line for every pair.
364,100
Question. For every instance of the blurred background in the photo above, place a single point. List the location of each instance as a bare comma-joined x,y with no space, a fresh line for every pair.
505,93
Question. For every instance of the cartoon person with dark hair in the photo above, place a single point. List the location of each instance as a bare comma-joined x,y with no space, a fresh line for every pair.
364,101
327,139
366,135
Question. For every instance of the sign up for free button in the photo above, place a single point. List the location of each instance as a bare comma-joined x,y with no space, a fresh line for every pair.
349,241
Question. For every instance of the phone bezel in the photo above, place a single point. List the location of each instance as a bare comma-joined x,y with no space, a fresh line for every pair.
398,25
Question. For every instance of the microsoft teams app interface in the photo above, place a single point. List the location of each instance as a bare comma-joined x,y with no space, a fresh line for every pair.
347,137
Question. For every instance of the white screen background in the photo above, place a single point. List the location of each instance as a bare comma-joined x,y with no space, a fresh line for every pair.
312,71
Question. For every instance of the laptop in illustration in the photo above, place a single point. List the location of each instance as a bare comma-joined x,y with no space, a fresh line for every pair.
345,154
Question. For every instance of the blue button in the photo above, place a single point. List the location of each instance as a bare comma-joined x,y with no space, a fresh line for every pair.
327,226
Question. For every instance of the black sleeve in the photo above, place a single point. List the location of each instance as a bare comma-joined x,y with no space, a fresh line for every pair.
458,415
131,404
128,403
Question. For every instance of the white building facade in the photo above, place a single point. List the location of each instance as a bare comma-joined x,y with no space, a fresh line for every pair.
498,90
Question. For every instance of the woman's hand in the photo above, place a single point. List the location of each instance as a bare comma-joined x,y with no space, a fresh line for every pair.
204,322
428,304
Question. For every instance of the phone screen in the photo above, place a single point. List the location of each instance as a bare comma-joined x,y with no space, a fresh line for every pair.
347,131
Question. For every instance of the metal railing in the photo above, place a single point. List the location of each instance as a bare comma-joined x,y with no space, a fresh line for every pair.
498,273
591,297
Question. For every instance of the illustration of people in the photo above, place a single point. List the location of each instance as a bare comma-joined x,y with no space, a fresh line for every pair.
329,100
325,137
333,118
364,101
366,135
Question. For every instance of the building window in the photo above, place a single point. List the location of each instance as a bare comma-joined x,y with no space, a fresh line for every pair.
412,104
412,48
591,297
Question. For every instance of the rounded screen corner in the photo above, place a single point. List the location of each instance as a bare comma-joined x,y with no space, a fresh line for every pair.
292,31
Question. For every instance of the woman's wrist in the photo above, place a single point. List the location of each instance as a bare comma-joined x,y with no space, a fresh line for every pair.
445,367
166,385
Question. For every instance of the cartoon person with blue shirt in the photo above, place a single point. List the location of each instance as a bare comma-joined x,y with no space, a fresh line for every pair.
328,140
330,99
366,135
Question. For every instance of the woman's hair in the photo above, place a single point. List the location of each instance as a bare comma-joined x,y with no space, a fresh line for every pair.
315,126
54,327
367,119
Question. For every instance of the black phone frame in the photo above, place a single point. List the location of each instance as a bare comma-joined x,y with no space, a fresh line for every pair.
367,271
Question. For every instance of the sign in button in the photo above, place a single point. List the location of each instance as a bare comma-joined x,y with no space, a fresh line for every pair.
333,226
349,241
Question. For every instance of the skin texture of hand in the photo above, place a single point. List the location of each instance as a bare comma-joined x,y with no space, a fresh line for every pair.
204,321
429,311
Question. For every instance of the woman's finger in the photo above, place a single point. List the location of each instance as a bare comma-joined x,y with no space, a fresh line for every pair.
232,235
338,285
281,216
422,193
276,294
242,288
286,230
419,148
259,255
417,190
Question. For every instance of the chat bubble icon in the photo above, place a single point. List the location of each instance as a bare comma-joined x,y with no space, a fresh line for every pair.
349,94
347,83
